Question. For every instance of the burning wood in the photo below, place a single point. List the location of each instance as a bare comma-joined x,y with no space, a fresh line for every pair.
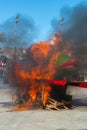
55,105
30,77
44,99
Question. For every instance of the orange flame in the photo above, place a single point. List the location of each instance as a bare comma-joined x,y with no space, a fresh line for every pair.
32,79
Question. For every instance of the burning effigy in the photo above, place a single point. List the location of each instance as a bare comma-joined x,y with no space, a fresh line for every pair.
39,81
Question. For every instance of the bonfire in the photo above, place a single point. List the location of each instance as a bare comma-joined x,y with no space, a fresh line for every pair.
32,78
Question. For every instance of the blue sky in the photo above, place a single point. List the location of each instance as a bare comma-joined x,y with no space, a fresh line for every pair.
42,11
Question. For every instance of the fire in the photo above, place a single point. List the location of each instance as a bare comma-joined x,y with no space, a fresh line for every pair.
47,90
41,49
30,78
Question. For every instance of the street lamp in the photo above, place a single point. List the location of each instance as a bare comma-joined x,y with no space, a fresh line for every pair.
61,24
15,34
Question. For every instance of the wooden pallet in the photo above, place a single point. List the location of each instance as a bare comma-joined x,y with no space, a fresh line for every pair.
55,105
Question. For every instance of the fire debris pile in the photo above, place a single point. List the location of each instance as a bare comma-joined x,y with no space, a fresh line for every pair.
31,77
46,61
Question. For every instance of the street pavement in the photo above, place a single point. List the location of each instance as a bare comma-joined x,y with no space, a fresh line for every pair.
75,119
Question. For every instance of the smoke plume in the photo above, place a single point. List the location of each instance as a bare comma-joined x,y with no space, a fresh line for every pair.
23,31
74,29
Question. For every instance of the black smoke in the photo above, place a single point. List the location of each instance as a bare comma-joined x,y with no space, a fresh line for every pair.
75,23
74,30
22,32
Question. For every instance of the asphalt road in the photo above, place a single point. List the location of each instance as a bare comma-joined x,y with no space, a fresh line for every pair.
75,119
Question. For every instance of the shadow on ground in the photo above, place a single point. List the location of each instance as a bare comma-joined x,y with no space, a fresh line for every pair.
68,129
6,104
80,102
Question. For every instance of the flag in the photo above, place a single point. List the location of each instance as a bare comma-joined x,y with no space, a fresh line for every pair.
65,66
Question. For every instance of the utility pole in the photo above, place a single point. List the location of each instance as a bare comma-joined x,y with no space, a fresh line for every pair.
15,36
